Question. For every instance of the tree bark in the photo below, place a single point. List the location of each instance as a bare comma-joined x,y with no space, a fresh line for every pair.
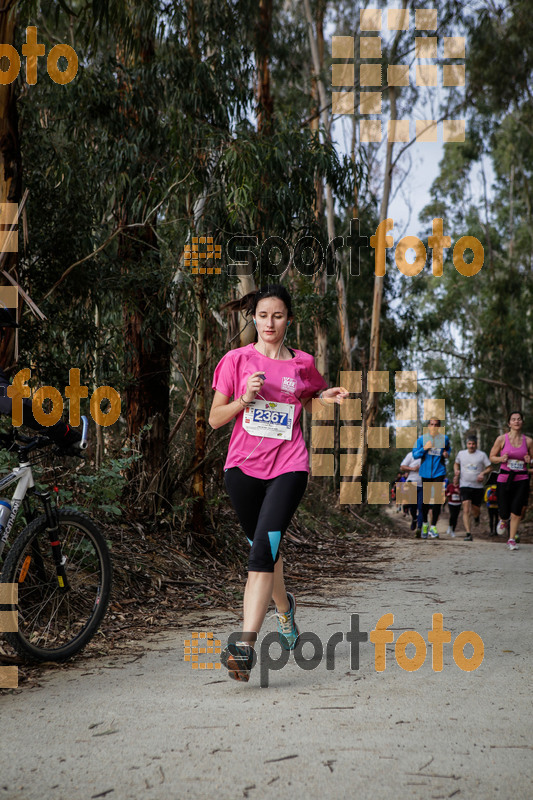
321,282
375,330
372,402
198,483
147,366
330,210
265,103
100,444
10,163
146,352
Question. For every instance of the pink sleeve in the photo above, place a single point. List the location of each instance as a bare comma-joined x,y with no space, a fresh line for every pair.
314,382
224,376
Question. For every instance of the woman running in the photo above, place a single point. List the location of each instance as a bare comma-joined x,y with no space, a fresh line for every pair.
267,465
513,451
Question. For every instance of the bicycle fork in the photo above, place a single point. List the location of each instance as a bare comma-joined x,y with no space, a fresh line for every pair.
52,528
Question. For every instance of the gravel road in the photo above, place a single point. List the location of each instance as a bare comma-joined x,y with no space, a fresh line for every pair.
151,727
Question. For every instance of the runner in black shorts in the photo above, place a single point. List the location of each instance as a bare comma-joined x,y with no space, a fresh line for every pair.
471,466
475,496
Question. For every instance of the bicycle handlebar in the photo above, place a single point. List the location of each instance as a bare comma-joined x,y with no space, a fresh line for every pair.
41,441
84,428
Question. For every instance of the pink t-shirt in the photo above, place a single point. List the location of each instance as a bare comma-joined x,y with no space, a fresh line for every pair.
515,454
286,382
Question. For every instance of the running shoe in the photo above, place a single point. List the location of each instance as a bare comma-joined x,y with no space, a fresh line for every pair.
425,528
501,528
287,628
413,524
511,544
468,538
433,534
449,530
238,660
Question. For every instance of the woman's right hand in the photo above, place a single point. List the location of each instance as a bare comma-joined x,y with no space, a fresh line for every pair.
253,386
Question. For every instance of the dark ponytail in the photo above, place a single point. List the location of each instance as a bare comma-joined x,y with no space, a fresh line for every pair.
271,290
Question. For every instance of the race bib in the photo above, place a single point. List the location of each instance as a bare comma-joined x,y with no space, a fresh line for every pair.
269,419
516,465
434,451
472,468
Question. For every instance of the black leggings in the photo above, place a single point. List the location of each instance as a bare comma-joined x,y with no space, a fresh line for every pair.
454,515
264,509
512,497
435,508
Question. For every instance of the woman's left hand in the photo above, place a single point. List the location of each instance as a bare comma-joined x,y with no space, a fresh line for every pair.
335,394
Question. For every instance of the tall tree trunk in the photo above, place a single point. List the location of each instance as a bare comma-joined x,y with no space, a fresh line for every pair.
321,280
330,210
100,445
375,329
246,331
147,351
10,163
147,365
264,112
198,483
265,103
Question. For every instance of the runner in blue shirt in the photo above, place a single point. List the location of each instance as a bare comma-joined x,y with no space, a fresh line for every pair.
432,448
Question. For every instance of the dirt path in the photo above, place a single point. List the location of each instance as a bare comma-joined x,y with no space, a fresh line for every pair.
150,726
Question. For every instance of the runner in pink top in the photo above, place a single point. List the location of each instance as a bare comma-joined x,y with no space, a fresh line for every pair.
515,467
291,381
513,451
267,466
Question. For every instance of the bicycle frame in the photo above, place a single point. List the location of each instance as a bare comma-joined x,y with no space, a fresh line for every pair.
23,476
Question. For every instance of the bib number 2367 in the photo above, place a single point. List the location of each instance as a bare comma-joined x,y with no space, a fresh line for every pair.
269,419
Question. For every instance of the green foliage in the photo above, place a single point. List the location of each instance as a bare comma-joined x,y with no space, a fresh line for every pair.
104,489
155,140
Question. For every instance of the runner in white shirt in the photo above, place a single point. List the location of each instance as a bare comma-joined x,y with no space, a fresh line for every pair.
471,467
411,465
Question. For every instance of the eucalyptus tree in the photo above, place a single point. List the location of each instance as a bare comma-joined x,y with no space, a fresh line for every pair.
485,321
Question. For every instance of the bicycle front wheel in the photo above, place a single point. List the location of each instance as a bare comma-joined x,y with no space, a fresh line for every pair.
54,621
